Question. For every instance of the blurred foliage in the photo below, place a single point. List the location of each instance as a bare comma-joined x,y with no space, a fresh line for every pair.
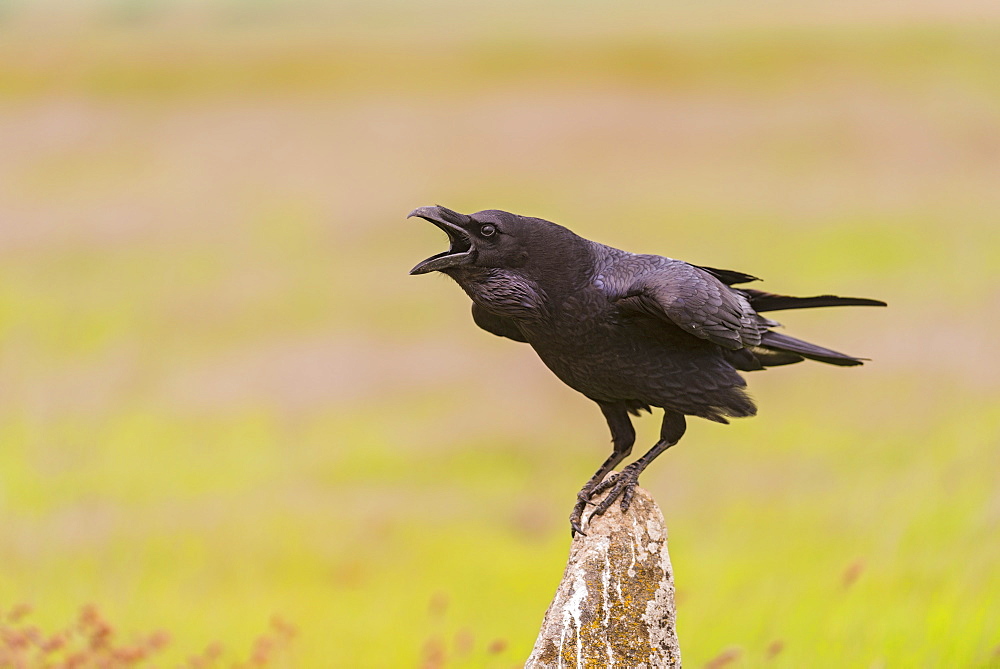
222,398
91,642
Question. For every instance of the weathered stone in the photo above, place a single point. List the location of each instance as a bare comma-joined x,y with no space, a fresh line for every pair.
615,604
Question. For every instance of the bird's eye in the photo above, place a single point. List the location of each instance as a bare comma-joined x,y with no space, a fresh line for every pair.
487,230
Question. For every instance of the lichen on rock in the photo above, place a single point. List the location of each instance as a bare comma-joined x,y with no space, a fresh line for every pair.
615,604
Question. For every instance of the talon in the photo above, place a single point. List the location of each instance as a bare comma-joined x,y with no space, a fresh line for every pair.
606,503
627,497
604,485
622,486
601,508
576,518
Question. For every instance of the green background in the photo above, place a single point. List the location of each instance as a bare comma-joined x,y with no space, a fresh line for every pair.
222,398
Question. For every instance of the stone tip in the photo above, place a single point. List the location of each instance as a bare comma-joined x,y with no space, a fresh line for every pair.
615,603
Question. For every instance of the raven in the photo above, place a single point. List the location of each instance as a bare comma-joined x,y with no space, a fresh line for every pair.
630,331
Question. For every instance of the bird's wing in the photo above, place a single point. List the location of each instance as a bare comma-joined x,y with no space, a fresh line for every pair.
498,325
692,299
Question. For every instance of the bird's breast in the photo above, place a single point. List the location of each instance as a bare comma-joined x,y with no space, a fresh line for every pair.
584,341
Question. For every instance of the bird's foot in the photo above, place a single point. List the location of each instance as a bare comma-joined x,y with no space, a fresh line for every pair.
576,517
619,486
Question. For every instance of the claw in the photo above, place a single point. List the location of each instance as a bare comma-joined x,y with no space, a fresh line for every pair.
605,484
627,496
621,486
605,503
576,519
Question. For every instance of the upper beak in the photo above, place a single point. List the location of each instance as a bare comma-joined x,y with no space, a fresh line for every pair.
460,251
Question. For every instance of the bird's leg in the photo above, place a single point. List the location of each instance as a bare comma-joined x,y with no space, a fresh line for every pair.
622,438
624,484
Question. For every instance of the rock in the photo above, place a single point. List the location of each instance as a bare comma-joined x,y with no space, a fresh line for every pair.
615,604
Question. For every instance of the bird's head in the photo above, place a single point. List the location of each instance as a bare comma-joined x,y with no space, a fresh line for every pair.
487,239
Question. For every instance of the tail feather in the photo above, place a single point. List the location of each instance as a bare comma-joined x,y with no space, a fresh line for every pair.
755,358
762,301
776,341
769,357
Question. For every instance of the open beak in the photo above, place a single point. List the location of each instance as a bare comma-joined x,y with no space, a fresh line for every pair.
460,250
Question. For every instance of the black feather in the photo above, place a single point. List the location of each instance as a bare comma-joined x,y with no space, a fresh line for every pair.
498,325
783,343
762,301
728,276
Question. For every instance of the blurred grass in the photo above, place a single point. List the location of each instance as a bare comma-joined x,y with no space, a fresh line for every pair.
221,397
165,64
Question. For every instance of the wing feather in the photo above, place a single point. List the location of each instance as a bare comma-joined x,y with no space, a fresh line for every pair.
694,300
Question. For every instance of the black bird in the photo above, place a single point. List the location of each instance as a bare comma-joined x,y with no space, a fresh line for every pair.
630,331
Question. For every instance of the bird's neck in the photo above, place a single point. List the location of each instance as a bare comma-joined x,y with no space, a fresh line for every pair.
532,291
503,292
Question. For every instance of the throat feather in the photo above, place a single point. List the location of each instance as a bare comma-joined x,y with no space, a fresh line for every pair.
505,293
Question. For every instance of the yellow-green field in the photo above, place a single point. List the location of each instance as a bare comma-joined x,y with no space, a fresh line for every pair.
222,399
